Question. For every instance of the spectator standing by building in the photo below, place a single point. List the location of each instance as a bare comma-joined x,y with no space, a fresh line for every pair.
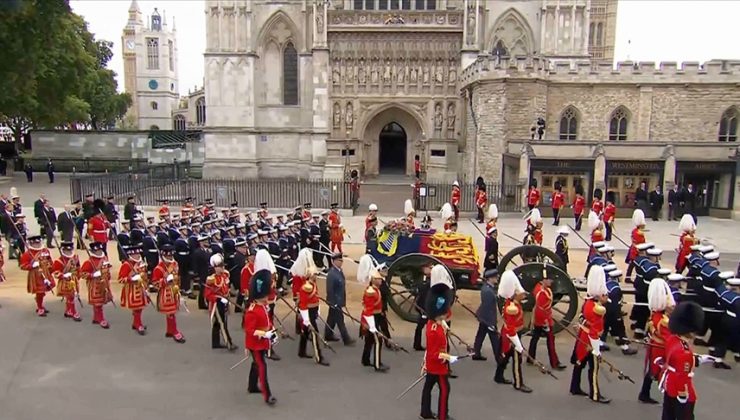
50,170
641,197
689,198
28,169
656,203
673,196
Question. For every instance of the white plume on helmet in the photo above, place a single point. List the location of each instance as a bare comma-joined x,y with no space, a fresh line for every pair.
440,275
446,212
509,285
216,260
535,216
372,207
658,294
687,223
638,218
492,211
303,265
263,261
593,221
408,207
596,283
364,268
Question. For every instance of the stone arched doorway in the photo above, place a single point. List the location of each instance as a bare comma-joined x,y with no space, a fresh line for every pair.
391,136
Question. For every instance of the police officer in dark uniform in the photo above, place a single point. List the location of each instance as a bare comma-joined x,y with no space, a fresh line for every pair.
487,314
422,290
200,259
182,256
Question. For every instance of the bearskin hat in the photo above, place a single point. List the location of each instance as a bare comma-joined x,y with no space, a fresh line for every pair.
99,205
598,193
259,285
579,189
439,300
611,197
688,317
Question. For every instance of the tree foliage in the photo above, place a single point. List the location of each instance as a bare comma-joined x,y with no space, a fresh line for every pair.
53,72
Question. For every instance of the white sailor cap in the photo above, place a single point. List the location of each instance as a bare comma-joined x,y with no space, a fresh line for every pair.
261,232
645,246
609,268
705,249
492,229
563,230
325,212
734,281
615,273
711,256
696,247
598,244
654,252
675,277
726,275
664,271
606,248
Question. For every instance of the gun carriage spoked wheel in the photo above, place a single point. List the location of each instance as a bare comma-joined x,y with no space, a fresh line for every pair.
564,292
404,275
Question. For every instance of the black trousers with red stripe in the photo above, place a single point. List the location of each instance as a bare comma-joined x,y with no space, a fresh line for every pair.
538,332
258,374
675,410
443,382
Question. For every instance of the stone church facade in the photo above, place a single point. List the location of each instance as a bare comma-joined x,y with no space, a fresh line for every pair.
313,89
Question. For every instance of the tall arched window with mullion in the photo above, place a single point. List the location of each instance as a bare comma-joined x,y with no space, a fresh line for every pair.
290,75
200,111
179,123
618,125
728,126
569,124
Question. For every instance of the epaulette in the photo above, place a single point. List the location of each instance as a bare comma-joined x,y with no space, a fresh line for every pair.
370,290
307,287
512,309
599,309
251,306
664,321
597,231
211,280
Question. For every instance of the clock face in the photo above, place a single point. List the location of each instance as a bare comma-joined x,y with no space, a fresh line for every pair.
153,85
130,44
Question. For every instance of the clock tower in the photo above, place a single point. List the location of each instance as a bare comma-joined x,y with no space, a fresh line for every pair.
150,69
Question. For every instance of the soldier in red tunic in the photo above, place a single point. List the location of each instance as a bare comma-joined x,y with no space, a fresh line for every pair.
263,261
447,214
688,239
587,348
512,291
259,334
246,276
533,195
661,303
677,380
597,206
610,213
98,226
372,316
37,261
164,210
543,322
371,217
301,269
132,275
217,289
597,232
336,229
638,237
534,228
455,199
558,201
66,272
308,305
480,202
96,272
437,359
166,279
579,203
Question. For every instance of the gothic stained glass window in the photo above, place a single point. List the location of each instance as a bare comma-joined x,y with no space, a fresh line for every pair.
728,126
290,75
200,111
179,123
152,53
618,125
569,124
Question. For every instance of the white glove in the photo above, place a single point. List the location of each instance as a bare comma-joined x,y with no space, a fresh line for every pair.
516,342
268,335
682,400
341,225
453,360
371,324
705,358
423,317
97,274
595,346
47,282
170,278
136,278
546,328
107,264
35,264
224,301
304,316
67,275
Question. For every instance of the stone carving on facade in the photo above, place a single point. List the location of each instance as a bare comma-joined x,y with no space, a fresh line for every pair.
451,116
336,75
425,72
668,152
337,115
387,73
452,74
438,118
413,73
374,71
598,151
361,75
401,73
320,16
471,25
438,73
349,117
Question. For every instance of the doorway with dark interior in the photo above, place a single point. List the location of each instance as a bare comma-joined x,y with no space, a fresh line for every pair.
392,156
